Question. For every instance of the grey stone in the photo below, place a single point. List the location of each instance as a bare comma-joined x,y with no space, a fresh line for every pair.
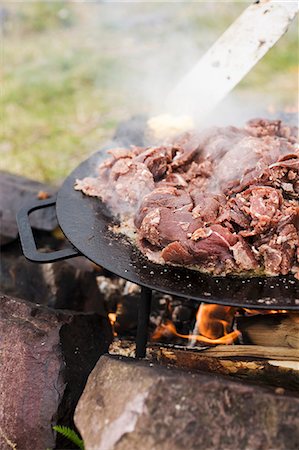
15,192
131,405
45,358
69,284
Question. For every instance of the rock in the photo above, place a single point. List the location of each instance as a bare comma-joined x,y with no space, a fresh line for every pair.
129,404
69,284
46,357
16,192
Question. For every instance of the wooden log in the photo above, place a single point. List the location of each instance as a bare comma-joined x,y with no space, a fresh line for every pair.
274,366
274,330
235,352
280,370
252,351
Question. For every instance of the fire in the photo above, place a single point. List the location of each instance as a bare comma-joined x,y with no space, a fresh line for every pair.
112,319
253,312
213,323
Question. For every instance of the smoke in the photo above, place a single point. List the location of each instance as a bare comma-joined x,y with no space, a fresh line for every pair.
153,45
157,44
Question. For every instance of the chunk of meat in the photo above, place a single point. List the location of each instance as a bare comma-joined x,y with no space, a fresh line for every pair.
167,197
149,228
172,225
186,149
89,186
214,247
130,181
206,206
263,127
244,256
156,159
176,253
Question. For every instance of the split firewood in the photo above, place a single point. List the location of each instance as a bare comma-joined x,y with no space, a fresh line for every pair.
270,330
277,366
243,352
234,352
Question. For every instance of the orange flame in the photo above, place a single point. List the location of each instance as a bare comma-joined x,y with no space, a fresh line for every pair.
112,319
253,312
213,323
169,328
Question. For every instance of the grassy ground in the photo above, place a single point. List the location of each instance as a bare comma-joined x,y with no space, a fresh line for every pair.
72,71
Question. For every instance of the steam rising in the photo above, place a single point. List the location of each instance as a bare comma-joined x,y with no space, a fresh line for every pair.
155,45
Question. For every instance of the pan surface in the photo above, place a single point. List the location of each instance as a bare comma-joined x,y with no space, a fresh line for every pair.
85,221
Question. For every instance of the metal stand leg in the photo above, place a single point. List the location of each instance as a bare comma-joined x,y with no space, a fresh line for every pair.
143,321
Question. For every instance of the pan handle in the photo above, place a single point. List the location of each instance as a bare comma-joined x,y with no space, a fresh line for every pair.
27,239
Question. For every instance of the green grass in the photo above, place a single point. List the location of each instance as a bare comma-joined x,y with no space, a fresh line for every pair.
71,72
56,110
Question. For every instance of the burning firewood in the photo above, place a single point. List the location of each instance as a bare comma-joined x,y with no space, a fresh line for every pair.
275,330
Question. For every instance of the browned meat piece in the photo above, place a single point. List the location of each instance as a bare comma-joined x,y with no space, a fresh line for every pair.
284,174
255,210
119,152
177,254
90,186
214,246
223,201
244,256
173,179
233,212
206,206
121,186
201,169
264,203
156,159
168,197
149,228
164,225
289,239
279,251
186,150
265,151
264,127
129,181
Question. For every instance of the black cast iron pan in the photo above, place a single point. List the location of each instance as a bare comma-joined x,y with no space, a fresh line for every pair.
86,223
